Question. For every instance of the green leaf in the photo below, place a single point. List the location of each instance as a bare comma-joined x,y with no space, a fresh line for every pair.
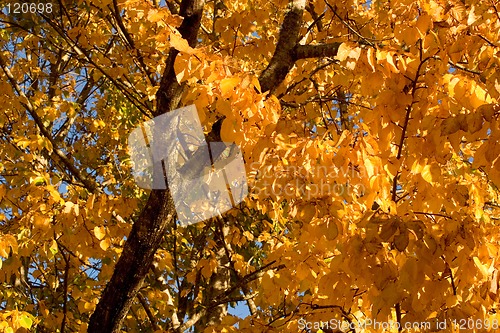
39,181
25,321
53,247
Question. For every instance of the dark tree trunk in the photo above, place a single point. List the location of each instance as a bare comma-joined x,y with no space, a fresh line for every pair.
159,212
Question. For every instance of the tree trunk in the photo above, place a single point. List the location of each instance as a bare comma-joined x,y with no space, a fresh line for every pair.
158,214
134,263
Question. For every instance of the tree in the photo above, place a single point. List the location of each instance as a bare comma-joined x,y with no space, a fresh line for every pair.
370,133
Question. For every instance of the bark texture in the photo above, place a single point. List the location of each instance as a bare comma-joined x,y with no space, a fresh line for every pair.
134,263
284,54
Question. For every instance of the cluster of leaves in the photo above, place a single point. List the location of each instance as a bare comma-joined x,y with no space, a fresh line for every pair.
373,165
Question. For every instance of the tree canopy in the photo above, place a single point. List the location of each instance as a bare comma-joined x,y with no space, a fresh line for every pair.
371,138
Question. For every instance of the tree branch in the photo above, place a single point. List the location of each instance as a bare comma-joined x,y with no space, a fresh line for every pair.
316,51
283,58
170,91
31,110
148,312
116,14
122,85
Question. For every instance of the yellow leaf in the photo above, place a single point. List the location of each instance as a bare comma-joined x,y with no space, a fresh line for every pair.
7,243
105,243
392,167
332,230
180,44
85,306
472,18
68,206
100,232
90,202
416,167
401,241
426,173
493,151
343,52
424,22
346,51
41,221
370,166
53,247
54,194
388,229
224,107
390,61
475,122
227,130
3,191
482,268
154,15
208,267
306,213
494,174
151,91
229,321
487,111
480,156
372,83
450,126
181,66
371,58
409,35
39,181
451,301
227,85
355,53
302,271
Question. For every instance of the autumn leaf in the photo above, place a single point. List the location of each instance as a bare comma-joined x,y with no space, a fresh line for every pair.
347,51
401,241
8,245
450,126
154,15
105,244
100,232
180,44
227,85
475,122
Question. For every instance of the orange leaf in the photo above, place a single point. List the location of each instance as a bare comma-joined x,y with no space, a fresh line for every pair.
227,85
180,44
105,243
